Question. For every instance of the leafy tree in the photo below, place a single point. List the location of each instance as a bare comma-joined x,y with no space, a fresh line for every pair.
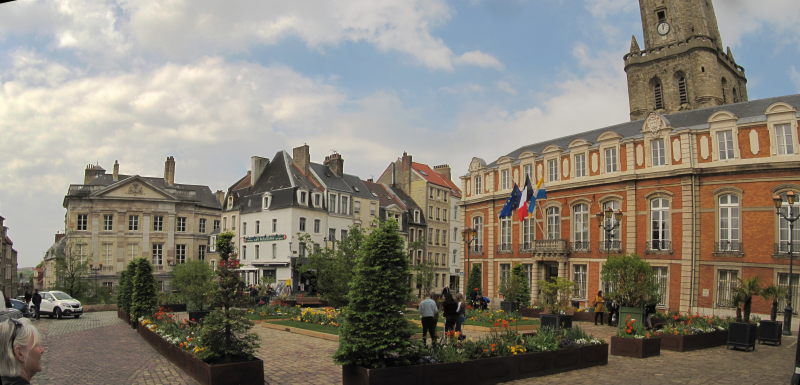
195,282
143,289
772,294
225,330
556,294
125,294
632,280
72,269
333,268
474,281
374,332
515,288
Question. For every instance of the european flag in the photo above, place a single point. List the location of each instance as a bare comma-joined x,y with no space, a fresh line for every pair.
511,203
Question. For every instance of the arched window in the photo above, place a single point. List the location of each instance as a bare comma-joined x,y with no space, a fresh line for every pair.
658,94
580,226
683,93
553,223
783,227
477,224
728,223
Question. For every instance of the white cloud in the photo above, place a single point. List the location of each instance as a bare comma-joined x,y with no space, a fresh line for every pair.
737,18
605,8
506,87
480,59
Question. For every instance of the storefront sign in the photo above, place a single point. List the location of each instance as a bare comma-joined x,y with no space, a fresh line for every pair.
265,238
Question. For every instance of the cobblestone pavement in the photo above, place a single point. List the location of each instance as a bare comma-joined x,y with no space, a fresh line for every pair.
99,349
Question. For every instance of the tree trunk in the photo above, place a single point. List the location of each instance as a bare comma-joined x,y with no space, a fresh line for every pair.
773,314
738,313
747,303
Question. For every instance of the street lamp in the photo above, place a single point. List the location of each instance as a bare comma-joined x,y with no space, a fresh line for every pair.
95,269
469,234
791,198
608,221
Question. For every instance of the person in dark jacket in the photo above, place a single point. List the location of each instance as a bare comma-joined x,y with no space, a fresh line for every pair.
450,310
24,343
37,302
28,297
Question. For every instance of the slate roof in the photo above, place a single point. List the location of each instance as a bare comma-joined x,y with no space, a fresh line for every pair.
434,177
202,194
387,195
746,112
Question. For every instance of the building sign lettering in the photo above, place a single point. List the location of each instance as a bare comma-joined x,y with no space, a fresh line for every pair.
265,238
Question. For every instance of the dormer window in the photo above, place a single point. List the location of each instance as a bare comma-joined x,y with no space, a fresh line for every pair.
345,205
317,199
266,200
302,197
230,202
416,216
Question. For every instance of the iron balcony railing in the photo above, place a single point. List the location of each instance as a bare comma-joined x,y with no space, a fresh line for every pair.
783,248
656,245
550,246
503,248
610,245
581,246
476,250
727,246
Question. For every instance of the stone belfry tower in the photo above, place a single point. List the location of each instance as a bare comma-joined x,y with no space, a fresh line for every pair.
682,65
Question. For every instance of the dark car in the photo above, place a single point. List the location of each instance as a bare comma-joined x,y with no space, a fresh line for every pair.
21,306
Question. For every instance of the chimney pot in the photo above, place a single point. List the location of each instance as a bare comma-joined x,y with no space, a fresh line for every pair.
169,171
116,171
301,156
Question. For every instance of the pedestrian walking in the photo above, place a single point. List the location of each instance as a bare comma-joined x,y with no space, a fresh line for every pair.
28,297
461,310
37,302
428,312
22,352
450,310
599,307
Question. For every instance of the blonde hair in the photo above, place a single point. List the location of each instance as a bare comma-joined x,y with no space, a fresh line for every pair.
27,337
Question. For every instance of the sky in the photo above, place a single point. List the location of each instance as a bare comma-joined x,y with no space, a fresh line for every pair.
213,83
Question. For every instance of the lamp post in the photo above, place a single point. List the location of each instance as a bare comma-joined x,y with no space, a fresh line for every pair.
608,221
789,216
95,269
469,234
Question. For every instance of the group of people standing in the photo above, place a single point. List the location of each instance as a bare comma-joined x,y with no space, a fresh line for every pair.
36,299
454,310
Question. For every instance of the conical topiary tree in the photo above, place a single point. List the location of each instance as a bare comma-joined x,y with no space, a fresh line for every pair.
124,292
374,333
143,290
474,282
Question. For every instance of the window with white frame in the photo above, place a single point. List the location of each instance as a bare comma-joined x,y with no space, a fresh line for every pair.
478,184
580,226
233,222
527,233
784,139
244,228
158,254
553,222
662,280
82,224
580,165
317,224
266,201
783,228
356,207
552,170
725,144
611,159
258,227
274,250
579,277
657,149
527,172
108,254
345,209
317,198
158,223
504,180
505,234
274,225
726,287
477,225
505,271
527,269
108,222
430,236
436,237
728,223
659,224
615,237
303,196
216,224
258,252
416,216
302,224
180,253
783,281
201,252
244,252
202,225
332,198
133,250
133,222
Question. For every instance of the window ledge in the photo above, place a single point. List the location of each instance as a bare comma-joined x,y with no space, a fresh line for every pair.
735,254
659,252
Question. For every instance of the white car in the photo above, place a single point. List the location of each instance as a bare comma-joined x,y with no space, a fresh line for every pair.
58,304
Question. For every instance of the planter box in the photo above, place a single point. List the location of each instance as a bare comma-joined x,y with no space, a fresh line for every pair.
634,312
509,306
528,312
635,347
682,343
585,316
241,373
770,332
198,315
556,321
742,335
123,316
481,371
173,307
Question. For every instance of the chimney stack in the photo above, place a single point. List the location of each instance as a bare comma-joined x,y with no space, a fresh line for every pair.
257,167
220,195
443,170
115,176
92,172
335,163
301,156
169,171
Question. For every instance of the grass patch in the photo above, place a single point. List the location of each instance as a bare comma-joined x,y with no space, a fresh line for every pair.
327,329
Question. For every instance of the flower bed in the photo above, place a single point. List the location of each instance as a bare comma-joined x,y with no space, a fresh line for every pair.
690,332
320,316
632,340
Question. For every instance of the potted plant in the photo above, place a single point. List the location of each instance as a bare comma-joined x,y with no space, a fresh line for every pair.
194,281
632,340
771,331
555,298
515,291
742,333
633,285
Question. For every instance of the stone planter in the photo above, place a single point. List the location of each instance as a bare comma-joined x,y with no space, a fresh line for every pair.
241,373
682,343
635,347
742,335
480,371
556,321
770,332
173,307
509,306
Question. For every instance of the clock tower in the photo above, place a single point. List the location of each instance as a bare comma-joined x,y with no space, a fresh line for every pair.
683,65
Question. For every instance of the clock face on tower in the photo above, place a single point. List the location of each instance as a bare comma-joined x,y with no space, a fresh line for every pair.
662,28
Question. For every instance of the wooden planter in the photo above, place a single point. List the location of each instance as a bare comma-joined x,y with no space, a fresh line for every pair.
742,335
682,343
528,312
770,332
241,373
481,371
509,306
173,307
585,316
635,313
556,321
635,347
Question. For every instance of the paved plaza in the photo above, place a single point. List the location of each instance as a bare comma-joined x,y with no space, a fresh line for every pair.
99,349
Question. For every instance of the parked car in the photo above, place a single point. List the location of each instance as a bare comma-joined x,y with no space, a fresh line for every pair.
6,313
21,306
59,304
